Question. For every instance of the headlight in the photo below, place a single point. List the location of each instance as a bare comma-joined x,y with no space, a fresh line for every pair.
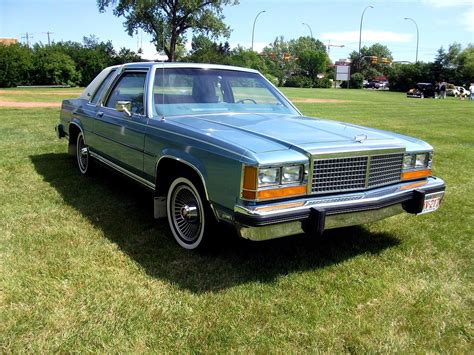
421,160
269,176
417,161
408,162
416,165
291,174
263,183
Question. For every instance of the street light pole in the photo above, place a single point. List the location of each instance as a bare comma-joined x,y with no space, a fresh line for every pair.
417,36
254,21
309,28
360,29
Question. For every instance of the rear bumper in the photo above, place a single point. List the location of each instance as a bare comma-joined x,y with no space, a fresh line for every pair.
59,128
315,214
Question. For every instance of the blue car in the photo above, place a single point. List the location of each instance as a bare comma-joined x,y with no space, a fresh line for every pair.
220,144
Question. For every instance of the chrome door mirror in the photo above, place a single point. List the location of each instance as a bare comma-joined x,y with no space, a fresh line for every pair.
124,106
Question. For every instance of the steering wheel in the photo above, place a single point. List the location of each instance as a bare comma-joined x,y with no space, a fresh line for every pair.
241,101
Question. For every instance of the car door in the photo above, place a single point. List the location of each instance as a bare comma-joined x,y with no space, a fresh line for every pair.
89,111
121,134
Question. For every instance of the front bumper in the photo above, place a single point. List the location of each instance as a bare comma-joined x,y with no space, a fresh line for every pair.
313,215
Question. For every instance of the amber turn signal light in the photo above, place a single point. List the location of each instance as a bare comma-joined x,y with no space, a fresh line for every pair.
408,175
281,192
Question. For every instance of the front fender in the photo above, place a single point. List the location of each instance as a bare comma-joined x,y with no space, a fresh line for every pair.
185,158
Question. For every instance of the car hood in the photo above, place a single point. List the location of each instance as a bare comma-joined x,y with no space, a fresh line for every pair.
261,133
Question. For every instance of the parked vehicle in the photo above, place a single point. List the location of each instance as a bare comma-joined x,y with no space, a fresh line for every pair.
457,90
422,90
222,144
373,84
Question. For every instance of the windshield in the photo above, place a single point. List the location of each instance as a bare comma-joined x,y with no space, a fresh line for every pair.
190,91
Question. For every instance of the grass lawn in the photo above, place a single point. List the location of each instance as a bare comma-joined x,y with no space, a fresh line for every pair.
85,267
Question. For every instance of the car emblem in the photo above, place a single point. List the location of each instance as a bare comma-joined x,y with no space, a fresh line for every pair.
360,138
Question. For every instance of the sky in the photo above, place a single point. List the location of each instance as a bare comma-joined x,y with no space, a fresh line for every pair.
440,23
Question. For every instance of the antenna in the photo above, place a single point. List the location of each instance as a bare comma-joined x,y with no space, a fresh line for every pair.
163,54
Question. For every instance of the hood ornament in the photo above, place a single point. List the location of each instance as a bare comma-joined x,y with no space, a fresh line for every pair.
360,138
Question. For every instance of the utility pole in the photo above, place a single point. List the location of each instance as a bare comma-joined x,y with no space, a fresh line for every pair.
309,28
253,28
48,33
27,36
360,28
417,36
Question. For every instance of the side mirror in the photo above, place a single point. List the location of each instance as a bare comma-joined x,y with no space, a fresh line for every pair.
124,106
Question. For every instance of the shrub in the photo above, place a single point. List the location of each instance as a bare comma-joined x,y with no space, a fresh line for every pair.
325,83
298,81
357,81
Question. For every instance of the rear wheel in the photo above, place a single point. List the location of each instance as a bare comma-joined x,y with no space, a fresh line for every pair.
189,216
82,155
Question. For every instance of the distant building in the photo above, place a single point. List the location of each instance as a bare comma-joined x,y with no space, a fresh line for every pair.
8,41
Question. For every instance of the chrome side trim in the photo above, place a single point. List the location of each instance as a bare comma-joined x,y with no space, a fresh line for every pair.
122,170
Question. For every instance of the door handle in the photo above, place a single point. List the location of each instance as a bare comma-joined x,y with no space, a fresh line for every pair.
99,114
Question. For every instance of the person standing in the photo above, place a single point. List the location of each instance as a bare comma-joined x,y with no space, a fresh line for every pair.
442,90
471,89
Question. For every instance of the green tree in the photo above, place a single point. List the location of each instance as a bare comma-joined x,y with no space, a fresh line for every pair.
247,58
362,63
53,67
126,55
90,57
403,77
465,63
305,43
279,60
169,20
313,62
16,63
204,50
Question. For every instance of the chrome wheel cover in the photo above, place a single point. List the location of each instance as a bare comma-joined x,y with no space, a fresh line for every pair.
186,214
82,154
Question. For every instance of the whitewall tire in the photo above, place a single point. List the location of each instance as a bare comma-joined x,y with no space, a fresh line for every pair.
187,213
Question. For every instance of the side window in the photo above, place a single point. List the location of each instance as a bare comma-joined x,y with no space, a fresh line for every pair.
130,87
102,87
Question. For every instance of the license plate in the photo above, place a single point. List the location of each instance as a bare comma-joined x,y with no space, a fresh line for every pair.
432,202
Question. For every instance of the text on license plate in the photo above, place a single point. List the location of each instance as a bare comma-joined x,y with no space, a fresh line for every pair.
432,202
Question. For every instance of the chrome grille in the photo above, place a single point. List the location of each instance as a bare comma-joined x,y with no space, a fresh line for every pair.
355,173
385,169
339,174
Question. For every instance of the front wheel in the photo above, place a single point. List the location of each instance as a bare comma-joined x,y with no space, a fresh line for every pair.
188,216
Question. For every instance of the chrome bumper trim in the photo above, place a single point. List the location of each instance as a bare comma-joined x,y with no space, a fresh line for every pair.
263,222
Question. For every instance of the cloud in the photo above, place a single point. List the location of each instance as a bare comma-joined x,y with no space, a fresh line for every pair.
468,20
367,36
257,46
448,3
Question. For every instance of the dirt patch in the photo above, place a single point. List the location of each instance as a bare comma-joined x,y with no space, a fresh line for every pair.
319,101
29,104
